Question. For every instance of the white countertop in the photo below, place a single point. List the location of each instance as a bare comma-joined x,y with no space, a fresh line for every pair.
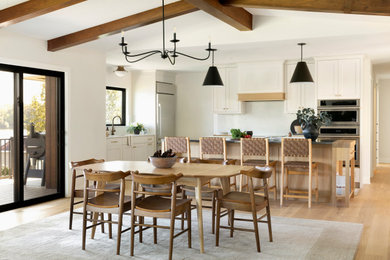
122,136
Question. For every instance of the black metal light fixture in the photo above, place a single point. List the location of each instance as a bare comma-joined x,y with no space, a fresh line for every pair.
213,79
301,72
165,53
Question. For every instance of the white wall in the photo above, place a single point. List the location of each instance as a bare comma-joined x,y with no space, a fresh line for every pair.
195,116
144,99
384,122
194,107
84,86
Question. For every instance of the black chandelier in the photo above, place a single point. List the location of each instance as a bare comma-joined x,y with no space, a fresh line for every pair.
165,53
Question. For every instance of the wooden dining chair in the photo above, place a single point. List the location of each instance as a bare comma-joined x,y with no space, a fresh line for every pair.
111,201
255,152
297,160
249,202
180,146
157,205
79,193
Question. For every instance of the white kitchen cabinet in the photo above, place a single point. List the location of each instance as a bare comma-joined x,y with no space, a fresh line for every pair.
338,78
225,99
299,95
130,148
114,148
261,77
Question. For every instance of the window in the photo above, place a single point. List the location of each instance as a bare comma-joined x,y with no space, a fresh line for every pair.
115,105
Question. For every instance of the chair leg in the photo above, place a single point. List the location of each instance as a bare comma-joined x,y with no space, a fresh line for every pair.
275,189
155,231
182,215
310,188
254,215
218,223
171,234
84,228
71,211
102,223
141,221
118,241
317,195
132,235
189,226
110,225
232,223
267,208
241,181
213,198
281,183
286,191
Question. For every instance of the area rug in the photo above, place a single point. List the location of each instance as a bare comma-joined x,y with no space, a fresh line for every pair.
293,239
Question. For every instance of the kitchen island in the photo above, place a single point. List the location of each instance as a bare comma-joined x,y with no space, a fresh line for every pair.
322,154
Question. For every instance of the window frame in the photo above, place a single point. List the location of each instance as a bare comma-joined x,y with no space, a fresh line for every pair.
123,115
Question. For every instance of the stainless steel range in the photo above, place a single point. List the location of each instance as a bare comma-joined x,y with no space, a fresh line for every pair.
345,122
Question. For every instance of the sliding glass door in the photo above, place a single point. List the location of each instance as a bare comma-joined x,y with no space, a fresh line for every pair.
31,136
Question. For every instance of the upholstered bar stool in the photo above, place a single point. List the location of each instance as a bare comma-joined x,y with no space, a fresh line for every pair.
255,152
180,146
300,150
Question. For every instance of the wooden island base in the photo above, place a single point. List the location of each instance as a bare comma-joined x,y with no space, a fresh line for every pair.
322,154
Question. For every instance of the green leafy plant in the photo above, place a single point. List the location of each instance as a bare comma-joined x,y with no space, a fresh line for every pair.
236,133
307,116
5,171
135,127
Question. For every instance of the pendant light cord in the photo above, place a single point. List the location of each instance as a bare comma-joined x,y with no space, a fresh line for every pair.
163,22
301,51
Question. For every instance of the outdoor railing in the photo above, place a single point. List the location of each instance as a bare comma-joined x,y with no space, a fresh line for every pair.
6,158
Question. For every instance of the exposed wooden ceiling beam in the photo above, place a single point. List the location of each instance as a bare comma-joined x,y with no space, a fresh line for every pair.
369,7
126,23
237,17
31,9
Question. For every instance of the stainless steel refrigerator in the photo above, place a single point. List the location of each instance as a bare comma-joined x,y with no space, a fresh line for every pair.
166,111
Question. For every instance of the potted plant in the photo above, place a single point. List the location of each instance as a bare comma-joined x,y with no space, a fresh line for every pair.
311,123
135,128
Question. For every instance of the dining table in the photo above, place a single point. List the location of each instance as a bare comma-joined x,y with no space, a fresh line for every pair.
194,174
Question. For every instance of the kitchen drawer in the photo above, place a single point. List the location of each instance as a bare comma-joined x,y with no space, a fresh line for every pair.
142,139
117,141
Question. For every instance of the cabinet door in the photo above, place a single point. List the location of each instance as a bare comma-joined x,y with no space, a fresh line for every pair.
114,152
349,78
327,79
127,153
231,91
140,152
219,95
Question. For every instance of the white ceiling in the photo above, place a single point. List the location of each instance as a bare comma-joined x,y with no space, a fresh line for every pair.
275,33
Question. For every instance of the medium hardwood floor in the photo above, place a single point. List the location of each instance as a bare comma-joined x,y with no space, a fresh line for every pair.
370,207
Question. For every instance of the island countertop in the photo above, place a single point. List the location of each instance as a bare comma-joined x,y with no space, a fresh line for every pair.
272,139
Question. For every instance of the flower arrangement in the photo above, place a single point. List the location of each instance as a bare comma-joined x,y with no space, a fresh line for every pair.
307,116
135,128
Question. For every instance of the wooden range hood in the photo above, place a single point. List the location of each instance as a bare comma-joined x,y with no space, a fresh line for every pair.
271,96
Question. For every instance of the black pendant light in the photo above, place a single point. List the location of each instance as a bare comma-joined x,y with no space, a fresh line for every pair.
213,79
301,72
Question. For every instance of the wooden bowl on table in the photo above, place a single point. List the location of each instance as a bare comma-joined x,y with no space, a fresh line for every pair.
162,162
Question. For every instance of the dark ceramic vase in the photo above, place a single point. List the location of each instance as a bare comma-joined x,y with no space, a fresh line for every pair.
137,131
310,132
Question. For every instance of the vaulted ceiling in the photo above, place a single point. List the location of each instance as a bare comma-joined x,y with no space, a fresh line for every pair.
239,31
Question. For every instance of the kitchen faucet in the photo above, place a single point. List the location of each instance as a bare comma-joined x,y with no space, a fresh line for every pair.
112,124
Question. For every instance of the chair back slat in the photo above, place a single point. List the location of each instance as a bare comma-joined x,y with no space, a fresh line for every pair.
85,162
212,146
254,146
104,176
296,147
179,145
259,172
155,179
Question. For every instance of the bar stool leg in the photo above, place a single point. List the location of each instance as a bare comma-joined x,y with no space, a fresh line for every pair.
317,196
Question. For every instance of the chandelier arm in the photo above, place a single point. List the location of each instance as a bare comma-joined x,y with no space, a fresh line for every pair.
192,57
134,61
173,61
140,54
